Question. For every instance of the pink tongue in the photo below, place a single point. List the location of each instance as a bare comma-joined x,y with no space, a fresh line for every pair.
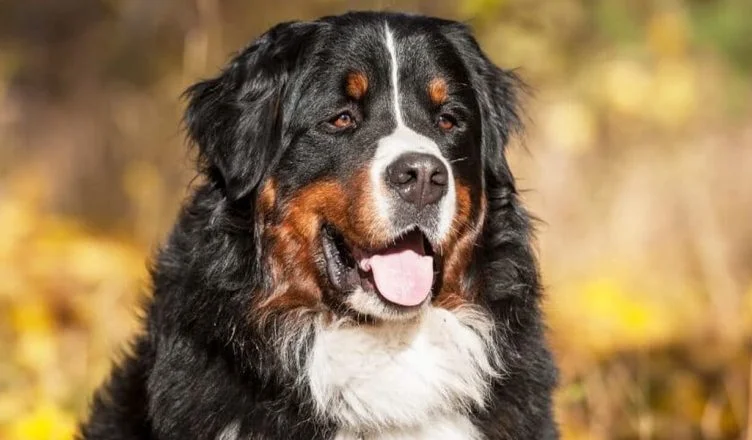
403,274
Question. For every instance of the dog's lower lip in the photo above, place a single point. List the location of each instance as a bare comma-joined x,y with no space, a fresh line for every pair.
337,263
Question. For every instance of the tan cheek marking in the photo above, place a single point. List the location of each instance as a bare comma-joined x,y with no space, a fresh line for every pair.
464,203
357,85
294,240
438,91
322,200
366,223
350,207
461,246
292,271
292,246
267,197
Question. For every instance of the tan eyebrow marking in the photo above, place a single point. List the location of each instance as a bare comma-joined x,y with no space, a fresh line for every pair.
357,85
437,91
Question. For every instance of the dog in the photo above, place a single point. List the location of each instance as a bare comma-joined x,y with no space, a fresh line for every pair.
356,262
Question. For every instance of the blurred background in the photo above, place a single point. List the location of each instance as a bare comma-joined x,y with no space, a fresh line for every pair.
638,159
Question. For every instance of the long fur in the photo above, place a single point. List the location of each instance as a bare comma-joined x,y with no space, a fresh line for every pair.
211,365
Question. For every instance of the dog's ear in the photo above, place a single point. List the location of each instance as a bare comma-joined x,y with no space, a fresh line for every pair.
236,118
500,106
512,268
498,92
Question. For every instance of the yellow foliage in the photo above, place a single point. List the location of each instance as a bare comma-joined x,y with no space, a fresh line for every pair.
626,86
668,34
44,422
569,125
603,315
665,94
31,316
674,93
473,8
16,220
52,269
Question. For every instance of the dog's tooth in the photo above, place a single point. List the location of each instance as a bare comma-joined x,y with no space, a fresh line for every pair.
365,264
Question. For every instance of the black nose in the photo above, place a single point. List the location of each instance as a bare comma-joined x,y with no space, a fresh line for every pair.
420,179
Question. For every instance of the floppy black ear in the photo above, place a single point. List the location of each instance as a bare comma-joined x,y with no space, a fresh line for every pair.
511,266
498,92
236,118
500,106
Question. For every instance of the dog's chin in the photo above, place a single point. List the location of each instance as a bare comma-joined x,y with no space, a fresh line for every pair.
357,287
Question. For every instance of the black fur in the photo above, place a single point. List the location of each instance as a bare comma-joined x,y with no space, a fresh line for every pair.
201,364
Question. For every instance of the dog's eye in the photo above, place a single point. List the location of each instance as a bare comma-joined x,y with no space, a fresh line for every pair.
343,120
446,122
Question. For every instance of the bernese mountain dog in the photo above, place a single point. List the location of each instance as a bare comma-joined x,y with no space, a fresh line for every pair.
356,263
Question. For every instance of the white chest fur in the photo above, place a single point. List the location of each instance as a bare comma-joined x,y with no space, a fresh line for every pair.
404,380
455,427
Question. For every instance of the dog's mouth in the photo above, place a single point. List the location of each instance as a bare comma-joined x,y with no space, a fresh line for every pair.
402,273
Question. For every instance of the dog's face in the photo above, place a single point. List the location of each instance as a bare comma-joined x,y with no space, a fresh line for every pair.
365,144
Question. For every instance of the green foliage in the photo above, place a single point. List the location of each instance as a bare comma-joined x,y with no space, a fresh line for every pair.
616,21
726,27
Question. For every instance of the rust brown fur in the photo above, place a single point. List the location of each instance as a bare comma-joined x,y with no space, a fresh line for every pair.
294,240
357,85
459,250
438,91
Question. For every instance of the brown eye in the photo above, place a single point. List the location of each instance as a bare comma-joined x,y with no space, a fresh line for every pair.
446,122
343,120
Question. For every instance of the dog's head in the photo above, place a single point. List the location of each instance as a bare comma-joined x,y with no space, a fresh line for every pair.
366,146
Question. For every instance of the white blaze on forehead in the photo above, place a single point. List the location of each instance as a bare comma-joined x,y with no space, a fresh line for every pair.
404,140
394,67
